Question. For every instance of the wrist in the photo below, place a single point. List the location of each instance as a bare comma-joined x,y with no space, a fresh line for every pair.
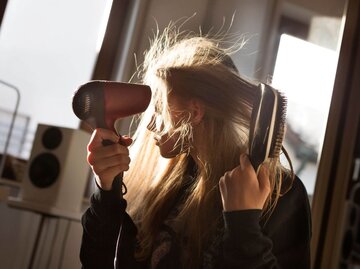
101,185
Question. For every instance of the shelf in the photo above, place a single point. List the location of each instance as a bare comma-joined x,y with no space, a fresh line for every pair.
11,183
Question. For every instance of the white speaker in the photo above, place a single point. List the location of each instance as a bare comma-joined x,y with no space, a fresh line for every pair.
57,172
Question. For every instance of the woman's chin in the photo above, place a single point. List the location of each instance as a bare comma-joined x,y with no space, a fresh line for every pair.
168,155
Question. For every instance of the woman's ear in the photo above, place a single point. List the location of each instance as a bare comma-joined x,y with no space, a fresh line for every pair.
197,109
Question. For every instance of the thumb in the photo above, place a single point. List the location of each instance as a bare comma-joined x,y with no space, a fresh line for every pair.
243,161
125,140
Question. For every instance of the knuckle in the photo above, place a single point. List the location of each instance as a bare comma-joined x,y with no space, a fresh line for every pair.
232,175
90,158
119,149
226,179
96,170
126,167
90,147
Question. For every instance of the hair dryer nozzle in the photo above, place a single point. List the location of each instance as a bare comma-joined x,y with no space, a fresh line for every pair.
100,103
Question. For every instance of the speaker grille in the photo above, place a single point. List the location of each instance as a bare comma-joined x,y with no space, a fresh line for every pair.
44,170
52,138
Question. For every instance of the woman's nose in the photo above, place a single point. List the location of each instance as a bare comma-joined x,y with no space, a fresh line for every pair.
156,123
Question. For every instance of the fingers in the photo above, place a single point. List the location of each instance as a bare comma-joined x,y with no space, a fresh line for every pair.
99,135
104,152
262,178
121,161
246,168
242,189
109,159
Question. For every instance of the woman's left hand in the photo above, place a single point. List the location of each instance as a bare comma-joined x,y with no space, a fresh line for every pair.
242,189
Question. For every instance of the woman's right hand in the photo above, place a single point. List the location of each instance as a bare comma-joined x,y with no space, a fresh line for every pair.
108,161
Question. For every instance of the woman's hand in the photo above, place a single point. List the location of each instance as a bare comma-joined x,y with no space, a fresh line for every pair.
108,161
241,189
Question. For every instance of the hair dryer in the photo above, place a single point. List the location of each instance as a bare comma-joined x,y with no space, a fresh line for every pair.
100,103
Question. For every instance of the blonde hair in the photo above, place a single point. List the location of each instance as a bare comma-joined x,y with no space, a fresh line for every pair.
189,66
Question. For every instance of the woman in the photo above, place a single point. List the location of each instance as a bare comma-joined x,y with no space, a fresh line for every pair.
194,199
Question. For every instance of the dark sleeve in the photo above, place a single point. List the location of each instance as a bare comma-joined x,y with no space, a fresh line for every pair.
245,245
280,241
289,227
101,224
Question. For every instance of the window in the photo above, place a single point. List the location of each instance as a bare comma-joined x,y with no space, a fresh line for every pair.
47,49
305,71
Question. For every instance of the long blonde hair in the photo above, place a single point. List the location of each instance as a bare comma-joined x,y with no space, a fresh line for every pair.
189,66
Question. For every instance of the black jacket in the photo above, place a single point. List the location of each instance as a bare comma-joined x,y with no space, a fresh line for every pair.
283,241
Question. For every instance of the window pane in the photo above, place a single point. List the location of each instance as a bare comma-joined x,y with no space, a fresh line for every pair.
305,71
47,49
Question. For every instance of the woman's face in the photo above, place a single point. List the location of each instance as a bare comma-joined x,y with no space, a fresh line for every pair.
168,143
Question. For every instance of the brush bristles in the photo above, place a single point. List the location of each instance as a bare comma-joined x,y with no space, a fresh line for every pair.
279,127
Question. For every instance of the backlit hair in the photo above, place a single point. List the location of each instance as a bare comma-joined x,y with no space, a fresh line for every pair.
190,66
